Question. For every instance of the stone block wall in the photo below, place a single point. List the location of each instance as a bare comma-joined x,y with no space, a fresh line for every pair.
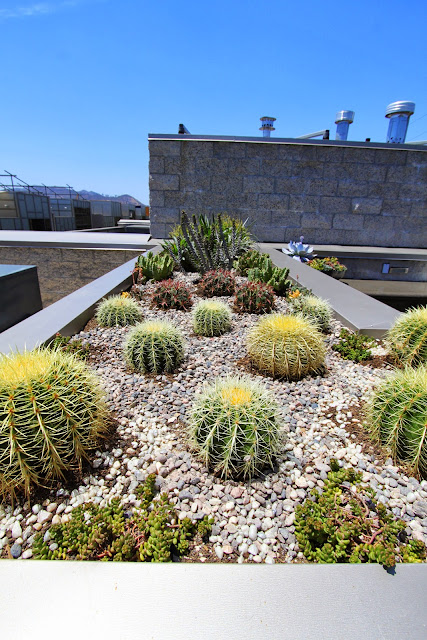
350,195
62,271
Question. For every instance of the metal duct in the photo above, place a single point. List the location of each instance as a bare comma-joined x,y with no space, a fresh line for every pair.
267,126
398,114
343,120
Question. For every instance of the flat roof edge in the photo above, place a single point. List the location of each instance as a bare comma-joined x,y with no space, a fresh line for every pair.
294,141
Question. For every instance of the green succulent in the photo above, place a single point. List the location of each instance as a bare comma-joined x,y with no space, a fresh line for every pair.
154,267
397,416
251,259
354,346
254,297
286,346
273,276
318,311
118,311
218,282
234,427
154,346
407,338
344,524
211,318
52,413
151,533
65,343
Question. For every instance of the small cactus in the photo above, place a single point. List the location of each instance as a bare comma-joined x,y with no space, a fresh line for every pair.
271,275
154,267
254,297
407,338
154,347
252,259
217,283
172,294
234,427
211,318
118,311
52,413
397,416
286,346
318,311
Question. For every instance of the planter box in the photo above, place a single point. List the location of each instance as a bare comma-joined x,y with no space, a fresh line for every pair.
19,294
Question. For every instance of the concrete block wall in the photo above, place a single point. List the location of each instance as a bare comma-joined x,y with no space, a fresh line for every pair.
332,194
62,271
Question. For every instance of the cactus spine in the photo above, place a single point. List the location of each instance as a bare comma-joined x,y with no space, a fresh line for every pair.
397,416
407,338
51,414
211,318
318,311
234,427
154,347
118,311
286,346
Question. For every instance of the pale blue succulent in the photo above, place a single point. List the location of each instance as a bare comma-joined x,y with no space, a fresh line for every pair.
299,251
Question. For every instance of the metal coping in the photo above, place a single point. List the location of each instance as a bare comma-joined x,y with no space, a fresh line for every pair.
356,310
68,315
74,240
294,141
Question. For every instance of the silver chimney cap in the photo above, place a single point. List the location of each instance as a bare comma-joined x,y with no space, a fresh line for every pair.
344,116
267,126
402,106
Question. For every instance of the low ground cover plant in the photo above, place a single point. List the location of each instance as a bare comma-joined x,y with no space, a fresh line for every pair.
235,427
118,311
286,346
151,533
172,294
397,417
211,318
354,346
344,523
68,345
218,282
407,338
154,347
254,297
331,266
52,414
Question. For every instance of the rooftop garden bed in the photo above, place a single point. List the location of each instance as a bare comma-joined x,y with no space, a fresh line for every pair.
176,386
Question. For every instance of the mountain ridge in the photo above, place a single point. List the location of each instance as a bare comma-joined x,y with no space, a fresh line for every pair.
124,199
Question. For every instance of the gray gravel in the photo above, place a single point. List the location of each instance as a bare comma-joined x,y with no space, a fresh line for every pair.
253,521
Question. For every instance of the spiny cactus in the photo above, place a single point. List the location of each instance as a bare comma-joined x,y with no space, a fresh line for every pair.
218,282
275,277
172,294
286,346
151,533
318,311
154,267
234,427
254,297
118,311
211,318
345,524
51,415
252,259
397,416
154,347
407,338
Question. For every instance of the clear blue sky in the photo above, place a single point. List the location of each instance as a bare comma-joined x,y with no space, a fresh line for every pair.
85,81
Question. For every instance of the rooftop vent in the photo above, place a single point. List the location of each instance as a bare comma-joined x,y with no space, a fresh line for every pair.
343,120
267,126
398,114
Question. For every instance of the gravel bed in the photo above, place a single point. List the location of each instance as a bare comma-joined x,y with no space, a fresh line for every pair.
254,522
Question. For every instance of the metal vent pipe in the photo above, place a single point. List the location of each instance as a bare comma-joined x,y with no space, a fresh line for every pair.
398,114
343,120
267,126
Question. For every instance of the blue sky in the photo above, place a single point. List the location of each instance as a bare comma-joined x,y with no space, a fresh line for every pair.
85,81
